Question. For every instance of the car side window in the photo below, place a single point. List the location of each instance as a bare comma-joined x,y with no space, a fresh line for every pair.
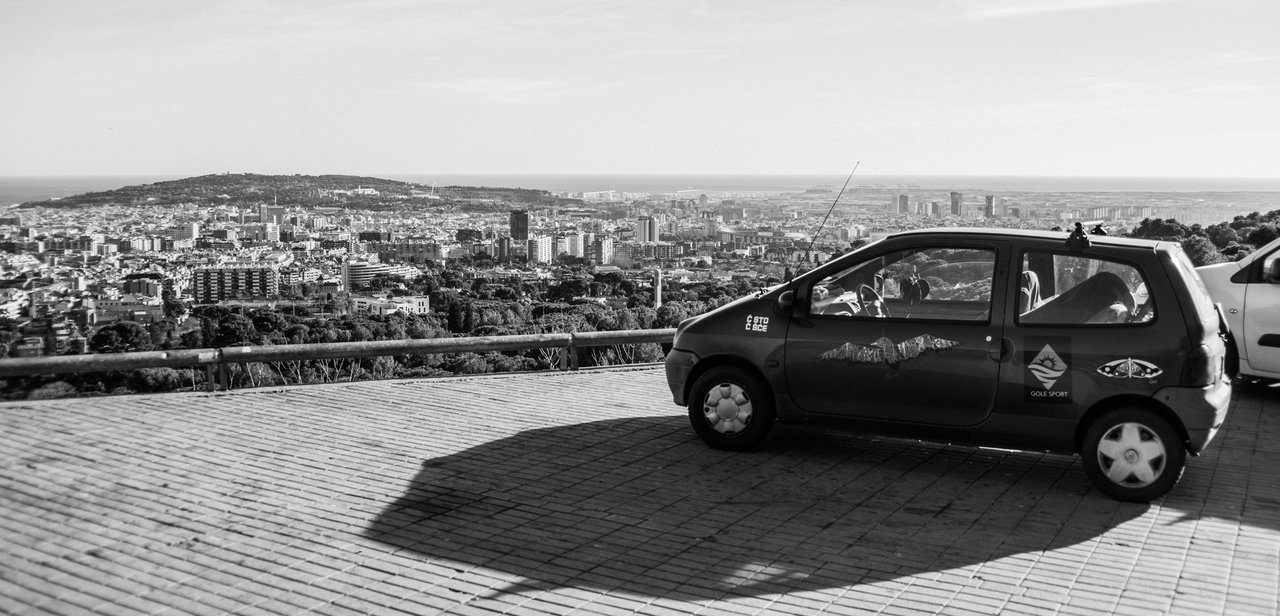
926,283
1070,289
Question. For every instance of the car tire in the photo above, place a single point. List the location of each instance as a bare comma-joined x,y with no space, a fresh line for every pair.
1133,455
731,409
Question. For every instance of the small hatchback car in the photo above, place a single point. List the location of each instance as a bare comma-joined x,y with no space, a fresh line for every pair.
1249,293
1102,346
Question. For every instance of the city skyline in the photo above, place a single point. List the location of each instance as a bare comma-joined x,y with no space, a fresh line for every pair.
1150,88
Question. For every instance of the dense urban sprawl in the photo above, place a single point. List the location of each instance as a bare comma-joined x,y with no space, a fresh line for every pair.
243,259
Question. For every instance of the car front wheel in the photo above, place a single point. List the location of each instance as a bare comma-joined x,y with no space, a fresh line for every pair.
1133,455
730,409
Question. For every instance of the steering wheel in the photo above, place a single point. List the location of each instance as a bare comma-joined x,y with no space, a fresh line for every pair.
872,302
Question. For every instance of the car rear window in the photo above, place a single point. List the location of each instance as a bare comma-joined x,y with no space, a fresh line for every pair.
1074,289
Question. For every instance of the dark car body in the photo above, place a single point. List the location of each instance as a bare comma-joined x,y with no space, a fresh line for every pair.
1003,338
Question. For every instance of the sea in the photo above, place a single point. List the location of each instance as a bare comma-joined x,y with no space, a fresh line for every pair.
20,189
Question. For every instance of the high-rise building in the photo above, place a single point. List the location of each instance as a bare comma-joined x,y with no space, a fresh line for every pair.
540,249
406,250
186,231
602,250
212,284
956,208
989,207
271,213
647,229
519,225
575,245
904,205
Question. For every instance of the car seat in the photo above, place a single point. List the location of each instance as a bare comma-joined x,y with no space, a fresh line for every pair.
1101,298
1028,292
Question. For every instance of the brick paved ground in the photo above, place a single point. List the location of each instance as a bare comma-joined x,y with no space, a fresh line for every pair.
586,493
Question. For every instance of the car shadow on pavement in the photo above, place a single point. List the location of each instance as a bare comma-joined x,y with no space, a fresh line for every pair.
640,506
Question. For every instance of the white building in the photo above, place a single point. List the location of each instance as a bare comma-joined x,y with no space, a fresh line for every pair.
540,250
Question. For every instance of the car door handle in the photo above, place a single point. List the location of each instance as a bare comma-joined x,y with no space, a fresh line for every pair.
1001,351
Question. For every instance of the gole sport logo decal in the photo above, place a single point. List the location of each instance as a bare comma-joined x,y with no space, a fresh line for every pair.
1048,362
1047,367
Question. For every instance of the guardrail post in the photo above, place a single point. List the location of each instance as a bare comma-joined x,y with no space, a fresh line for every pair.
211,377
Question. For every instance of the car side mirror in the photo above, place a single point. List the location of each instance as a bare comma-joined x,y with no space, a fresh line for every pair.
1273,275
786,303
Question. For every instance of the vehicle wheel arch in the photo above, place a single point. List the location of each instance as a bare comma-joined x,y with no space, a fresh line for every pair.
717,361
1118,402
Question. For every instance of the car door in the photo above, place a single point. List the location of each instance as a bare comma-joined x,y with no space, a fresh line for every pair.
1261,317
901,334
1086,330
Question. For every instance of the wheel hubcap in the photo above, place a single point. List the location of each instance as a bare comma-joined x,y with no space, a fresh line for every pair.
727,408
1131,455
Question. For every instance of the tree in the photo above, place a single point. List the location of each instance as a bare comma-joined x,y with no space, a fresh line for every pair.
1235,252
236,330
173,308
1222,235
382,282
50,391
146,380
567,289
1159,228
469,318
1263,235
121,337
1201,251
455,316
671,314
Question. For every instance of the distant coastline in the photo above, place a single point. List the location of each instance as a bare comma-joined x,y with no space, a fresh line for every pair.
641,183
20,189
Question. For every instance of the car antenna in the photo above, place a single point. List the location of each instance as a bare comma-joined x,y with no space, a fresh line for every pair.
832,209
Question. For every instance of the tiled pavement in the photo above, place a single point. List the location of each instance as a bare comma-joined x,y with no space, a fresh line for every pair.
585,492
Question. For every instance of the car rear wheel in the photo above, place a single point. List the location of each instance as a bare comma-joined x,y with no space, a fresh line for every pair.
1133,455
730,409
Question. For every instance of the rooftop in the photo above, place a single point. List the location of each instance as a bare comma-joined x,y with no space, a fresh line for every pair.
586,492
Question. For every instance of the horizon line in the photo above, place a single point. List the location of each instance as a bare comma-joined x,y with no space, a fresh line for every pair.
642,174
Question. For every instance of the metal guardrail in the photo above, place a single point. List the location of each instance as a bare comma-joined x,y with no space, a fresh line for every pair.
215,360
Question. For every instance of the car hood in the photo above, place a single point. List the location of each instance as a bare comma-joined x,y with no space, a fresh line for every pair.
1219,270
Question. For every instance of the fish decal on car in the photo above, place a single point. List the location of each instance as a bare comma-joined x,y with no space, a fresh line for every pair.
1130,368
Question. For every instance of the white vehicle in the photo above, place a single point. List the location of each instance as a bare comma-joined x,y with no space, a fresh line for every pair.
1249,292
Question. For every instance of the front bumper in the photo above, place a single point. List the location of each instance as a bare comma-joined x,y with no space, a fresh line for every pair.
679,365
1202,410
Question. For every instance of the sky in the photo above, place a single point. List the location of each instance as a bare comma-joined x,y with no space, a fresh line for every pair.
1161,88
